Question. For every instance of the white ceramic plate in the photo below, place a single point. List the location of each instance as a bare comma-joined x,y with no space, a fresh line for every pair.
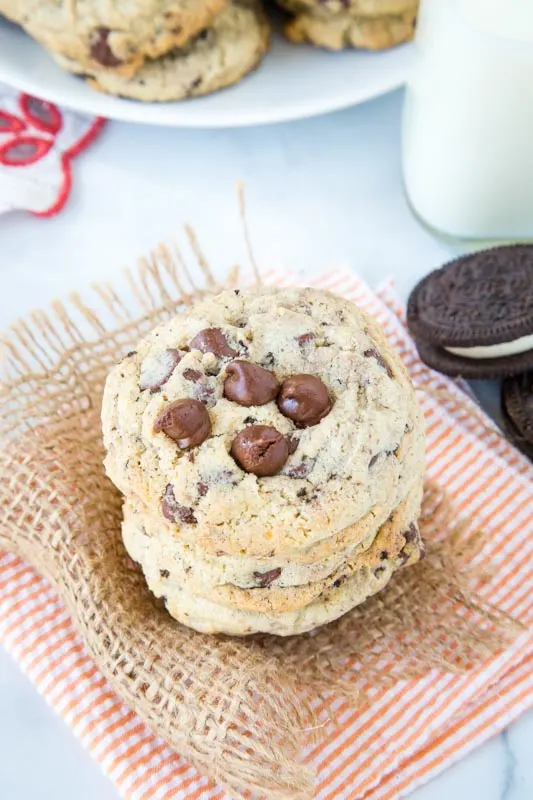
293,82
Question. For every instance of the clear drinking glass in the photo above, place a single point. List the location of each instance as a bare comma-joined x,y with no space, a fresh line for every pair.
468,121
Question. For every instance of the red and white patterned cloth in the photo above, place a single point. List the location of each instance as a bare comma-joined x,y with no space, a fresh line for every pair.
38,140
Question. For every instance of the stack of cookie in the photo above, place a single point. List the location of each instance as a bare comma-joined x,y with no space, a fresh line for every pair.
271,452
154,50
473,319
337,24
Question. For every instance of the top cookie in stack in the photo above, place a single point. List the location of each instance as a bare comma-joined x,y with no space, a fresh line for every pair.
149,49
272,453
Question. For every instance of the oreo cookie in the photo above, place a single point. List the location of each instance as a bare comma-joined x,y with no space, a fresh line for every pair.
474,317
517,410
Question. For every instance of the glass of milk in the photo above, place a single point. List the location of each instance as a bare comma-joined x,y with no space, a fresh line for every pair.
468,120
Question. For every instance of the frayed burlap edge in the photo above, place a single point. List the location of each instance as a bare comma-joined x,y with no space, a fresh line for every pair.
234,707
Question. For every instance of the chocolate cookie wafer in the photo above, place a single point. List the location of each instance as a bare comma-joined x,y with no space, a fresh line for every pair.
517,410
474,316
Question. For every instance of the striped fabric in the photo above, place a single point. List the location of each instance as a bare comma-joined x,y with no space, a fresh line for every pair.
408,734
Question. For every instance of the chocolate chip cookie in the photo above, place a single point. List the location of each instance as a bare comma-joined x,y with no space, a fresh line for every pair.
223,53
342,436
113,37
336,31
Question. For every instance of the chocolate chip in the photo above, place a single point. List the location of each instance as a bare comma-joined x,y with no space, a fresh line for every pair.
249,385
101,51
264,579
378,571
373,460
157,369
237,292
268,360
175,512
293,443
337,583
301,470
249,420
301,493
202,489
260,449
305,338
411,535
372,353
304,399
212,340
186,421
192,374
164,573
383,555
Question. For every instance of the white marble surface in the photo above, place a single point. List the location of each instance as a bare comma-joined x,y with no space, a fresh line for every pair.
320,193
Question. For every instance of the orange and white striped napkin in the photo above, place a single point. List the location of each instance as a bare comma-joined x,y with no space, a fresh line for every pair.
407,735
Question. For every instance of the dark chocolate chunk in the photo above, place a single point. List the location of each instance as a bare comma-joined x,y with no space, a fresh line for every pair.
264,579
249,385
304,399
101,52
186,421
212,340
173,511
260,449
373,353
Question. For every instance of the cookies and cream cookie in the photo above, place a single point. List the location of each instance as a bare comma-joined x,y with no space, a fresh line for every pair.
116,37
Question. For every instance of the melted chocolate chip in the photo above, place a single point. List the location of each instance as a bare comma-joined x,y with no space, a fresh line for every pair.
164,573
212,340
157,369
264,579
249,385
192,375
260,449
173,511
304,399
383,555
186,422
305,338
202,489
372,353
101,51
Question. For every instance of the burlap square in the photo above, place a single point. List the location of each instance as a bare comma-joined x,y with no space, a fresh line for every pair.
240,710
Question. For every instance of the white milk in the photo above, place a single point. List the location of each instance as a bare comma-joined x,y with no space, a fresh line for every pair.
468,124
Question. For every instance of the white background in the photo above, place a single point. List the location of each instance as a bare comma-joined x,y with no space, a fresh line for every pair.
320,193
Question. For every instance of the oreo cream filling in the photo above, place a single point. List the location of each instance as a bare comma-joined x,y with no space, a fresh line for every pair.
513,348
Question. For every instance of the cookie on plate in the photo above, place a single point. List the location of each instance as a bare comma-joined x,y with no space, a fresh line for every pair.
517,410
336,31
117,37
474,317
217,57
356,8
